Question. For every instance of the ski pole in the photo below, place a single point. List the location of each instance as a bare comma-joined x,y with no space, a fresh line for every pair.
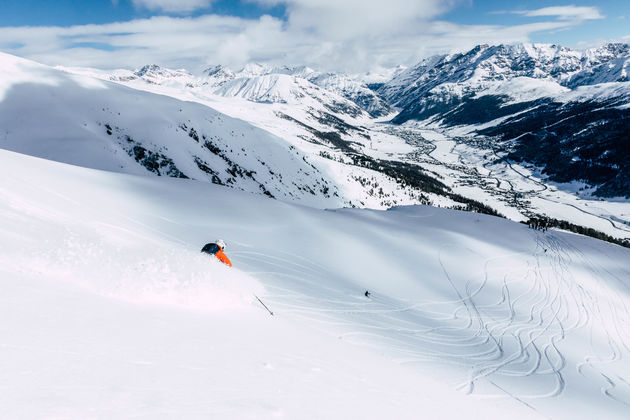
261,302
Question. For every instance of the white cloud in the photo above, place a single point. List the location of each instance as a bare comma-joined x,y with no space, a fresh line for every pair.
338,19
176,6
579,13
320,33
597,42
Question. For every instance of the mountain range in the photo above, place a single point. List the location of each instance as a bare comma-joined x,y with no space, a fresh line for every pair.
510,93
554,118
565,111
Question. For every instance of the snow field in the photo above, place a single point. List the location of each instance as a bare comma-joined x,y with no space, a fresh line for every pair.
504,315
95,246
110,311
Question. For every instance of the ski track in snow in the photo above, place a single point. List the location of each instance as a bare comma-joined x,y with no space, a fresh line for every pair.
501,328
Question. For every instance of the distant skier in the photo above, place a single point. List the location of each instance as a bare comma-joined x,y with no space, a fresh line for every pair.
367,294
216,249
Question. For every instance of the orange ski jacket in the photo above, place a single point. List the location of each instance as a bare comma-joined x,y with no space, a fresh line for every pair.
223,258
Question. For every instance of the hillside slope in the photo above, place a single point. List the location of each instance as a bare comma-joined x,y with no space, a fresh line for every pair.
109,300
102,125
83,120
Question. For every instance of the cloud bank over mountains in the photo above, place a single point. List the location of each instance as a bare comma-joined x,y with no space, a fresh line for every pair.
352,36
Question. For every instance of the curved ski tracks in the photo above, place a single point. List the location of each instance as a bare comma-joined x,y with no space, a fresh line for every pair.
510,330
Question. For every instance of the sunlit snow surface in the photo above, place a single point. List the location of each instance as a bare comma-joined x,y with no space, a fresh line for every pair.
109,311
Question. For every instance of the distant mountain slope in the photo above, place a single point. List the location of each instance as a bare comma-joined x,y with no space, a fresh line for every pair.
586,140
261,83
615,70
287,89
423,90
564,110
357,92
97,124
167,126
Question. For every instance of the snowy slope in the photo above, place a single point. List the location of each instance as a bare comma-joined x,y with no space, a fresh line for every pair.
112,312
332,159
319,127
89,122
261,83
340,84
616,70
356,91
84,120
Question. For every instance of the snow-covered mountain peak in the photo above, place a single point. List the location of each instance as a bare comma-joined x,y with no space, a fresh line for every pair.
357,91
273,88
483,66
514,92
607,52
285,84
254,69
218,71
153,71
298,71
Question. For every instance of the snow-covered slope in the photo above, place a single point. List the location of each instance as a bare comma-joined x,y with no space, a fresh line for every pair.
484,64
97,124
356,91
110,310
367,158
287,89
87,121
615,70
340,84
447,79
175,130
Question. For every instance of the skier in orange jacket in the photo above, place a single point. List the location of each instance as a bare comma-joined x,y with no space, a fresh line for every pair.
216,249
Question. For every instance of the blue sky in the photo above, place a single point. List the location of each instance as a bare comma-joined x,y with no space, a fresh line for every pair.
351,35
614,24
81,12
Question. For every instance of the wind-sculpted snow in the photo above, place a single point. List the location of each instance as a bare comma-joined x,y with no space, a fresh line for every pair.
107,299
